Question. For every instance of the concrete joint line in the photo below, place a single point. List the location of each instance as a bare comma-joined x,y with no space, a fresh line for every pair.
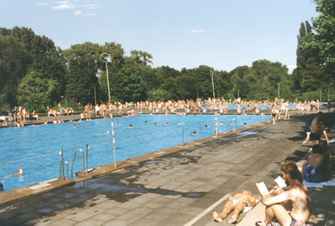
206,211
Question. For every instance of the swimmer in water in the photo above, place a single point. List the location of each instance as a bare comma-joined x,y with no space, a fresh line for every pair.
206,126
146,121
130,126
194,133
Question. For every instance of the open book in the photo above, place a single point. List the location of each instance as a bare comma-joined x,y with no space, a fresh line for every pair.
263,190
280,182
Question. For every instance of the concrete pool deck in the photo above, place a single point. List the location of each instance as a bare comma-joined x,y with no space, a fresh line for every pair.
167,190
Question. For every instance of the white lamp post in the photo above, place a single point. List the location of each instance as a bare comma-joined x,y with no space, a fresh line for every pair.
108,59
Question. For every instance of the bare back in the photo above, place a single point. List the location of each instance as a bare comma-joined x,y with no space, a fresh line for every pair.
299,198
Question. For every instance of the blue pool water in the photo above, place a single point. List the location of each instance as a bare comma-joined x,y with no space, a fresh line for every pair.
36,148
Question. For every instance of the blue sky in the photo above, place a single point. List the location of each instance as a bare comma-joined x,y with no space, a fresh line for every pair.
179,33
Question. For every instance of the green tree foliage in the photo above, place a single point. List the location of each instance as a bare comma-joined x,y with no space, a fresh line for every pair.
129,83
36,92
23,50
81,78
13,60
308,75
167,80
324,27
269,79
159,94
316,50
44,55
239,81
223,84
264,79
141,57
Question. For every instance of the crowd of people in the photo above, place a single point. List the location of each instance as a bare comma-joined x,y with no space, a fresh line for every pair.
279,108
288,204
210,105
19,116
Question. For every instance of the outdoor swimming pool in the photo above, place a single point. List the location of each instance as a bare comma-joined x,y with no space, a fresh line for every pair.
36,148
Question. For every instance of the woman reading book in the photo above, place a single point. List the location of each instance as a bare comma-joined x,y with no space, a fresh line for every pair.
289,206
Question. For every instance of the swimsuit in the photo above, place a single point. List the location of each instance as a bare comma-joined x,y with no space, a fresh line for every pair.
293,222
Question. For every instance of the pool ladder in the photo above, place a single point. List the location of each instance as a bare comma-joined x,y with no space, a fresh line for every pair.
68,167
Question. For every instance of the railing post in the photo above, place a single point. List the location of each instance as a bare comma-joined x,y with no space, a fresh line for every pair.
216,126
236,123
61,164
72,164
82,159
114,145
182,132
86,157
66,165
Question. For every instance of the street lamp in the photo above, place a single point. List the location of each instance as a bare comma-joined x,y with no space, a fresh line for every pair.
212,79
98,75
108,59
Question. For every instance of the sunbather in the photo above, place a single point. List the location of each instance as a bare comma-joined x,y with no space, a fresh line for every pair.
235,204
317,130
316,167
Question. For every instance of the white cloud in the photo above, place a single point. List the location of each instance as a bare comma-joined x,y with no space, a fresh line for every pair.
77,12
90,14
90,6
63,5
76,7
198,31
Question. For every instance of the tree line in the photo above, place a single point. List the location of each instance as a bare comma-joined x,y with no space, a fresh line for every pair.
315,72
35,73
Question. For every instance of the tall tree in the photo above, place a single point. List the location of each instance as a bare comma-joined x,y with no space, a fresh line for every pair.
36,92
239,80
13,66
308,76
41,55
81,78
324,27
